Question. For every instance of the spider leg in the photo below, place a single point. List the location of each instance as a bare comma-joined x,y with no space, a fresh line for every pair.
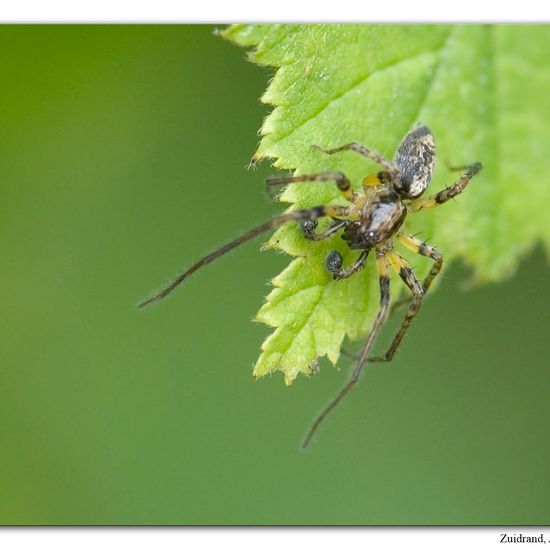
302,215
417,291
424,249
449,192
364,151
308,229
378,322
334,262
456,167
342,182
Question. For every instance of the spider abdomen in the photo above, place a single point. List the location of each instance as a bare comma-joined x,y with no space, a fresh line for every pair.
415,161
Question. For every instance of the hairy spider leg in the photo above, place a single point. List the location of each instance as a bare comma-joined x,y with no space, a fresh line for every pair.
417,293
384,281
305,214
424,249
449,192
364,151
308,229
404,271
342,182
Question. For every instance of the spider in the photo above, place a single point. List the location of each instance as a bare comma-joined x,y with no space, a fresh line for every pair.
371,221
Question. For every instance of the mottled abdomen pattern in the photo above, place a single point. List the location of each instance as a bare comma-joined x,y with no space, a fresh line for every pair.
415,161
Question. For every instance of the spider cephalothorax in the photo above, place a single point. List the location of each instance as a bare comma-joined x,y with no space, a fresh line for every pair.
381,216
372,220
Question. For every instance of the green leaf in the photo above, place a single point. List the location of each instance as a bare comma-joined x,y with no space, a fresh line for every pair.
482,89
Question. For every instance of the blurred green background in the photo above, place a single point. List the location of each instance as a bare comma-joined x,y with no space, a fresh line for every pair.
123,158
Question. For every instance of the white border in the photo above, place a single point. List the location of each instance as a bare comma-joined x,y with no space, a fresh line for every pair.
357,538
231,11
